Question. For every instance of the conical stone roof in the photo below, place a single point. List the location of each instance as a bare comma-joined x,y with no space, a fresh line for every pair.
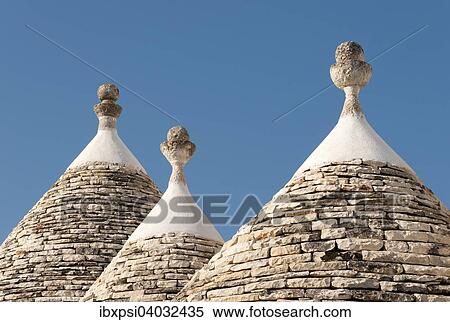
168,247
67,239
353,223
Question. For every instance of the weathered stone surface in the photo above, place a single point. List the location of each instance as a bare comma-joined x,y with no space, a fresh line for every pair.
364,283
267,285
396,246
394,257
223,292
321,246
357,240
308,282
336,295
324,224
387,269
280,294
429,270
417,236
332,233
285,250
317,266
404,287
283,260
67,239
431,298
359,244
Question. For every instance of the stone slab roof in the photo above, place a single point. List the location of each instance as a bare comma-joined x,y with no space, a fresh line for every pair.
68,238
355,230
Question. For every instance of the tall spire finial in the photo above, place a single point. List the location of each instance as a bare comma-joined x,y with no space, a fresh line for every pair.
350,73
107,110
178,150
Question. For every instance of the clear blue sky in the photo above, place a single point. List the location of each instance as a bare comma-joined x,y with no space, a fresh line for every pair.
225,70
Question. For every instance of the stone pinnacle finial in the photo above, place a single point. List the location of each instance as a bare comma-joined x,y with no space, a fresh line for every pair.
178,150
350,73
108,95
349,50
108,92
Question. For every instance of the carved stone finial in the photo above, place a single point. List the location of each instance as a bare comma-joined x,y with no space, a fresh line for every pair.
108,92
107,110
349,50
177,134
178,150
350,73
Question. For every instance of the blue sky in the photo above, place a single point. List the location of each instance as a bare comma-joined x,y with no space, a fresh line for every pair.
225,70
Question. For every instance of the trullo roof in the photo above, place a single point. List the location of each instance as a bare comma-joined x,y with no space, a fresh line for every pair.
353,223
168,247
67,239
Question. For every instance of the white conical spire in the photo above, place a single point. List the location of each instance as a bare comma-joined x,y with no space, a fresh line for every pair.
177,211
107,146
352,137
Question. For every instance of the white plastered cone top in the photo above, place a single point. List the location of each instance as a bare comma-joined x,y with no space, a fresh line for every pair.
352,137
177,211
107,146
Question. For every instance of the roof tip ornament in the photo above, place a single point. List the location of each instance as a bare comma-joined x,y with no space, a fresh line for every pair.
178,150
107,110
350,73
